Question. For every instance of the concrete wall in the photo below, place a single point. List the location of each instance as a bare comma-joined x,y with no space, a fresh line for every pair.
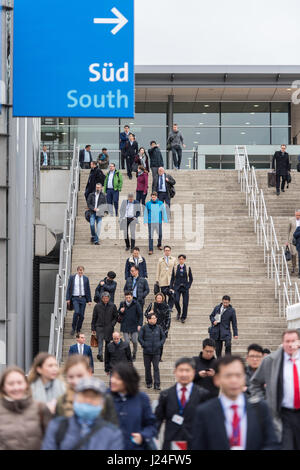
54,189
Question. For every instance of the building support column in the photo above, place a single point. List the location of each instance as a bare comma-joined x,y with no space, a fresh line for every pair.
170,113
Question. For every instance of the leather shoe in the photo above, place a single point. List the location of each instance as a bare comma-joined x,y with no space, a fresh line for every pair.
156,387
149,385
160,247
150,253
100,358
72,333
127,248
178,317
182,321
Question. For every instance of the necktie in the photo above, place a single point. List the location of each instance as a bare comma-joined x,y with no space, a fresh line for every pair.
183,397
160,182
235,439
80,285
296,385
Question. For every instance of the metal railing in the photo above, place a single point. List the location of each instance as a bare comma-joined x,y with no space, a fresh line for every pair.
60,306
274,256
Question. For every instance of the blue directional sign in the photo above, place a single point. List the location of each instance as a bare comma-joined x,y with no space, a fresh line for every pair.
73,58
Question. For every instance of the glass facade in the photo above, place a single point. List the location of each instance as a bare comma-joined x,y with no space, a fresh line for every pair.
211,123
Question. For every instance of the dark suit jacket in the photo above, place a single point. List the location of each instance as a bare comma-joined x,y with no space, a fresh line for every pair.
137,212
87,351
210,433
102,204
178,282
81,155
96,176
281,163
131,150
168,406
155,184
221,331
86,285
123,139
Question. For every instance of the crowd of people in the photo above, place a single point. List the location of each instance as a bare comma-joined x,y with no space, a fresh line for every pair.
215,403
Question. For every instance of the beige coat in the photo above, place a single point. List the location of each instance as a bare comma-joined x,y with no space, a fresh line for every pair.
164,271
291,230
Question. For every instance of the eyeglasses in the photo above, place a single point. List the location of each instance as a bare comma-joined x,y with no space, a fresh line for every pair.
254,357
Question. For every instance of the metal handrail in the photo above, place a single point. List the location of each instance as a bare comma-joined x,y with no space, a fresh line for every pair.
60,308
274,257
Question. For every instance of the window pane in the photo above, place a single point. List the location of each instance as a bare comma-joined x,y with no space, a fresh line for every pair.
240,114
280,135
194,136
245,136
155,119
280,114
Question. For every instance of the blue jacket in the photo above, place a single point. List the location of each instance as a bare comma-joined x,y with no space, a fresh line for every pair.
142,267
297,236
135,416
86,285
87,351
154,212
109,437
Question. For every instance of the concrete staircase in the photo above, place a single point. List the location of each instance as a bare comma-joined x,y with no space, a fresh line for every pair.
224,260
282,207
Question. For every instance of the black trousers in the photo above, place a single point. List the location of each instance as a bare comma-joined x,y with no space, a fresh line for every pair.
131,225
290,429
129,163
148,360
219,346
185,302
166,291
283,181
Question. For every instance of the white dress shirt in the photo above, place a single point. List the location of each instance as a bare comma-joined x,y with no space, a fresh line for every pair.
76,291
297,223
45,162
129,210
187,392
96,200
80,348
110,182
163,189
288,379
228,412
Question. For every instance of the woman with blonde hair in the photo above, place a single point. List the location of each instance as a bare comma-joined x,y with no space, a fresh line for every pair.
23,421
76,368
44,379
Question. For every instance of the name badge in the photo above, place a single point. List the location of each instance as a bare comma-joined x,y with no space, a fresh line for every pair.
178,419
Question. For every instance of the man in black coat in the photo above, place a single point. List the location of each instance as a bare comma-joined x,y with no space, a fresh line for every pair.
162,184
176,406
181,282
106,285
98,208
131,320
136,260
85,157
130,151
231,421
96,176
137,285
156,159
152,338
105,316
117,351
205,367
222,316
281,163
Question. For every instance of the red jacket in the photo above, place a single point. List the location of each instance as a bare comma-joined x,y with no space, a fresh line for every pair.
142,183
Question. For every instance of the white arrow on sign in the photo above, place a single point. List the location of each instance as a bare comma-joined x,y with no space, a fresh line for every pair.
120,20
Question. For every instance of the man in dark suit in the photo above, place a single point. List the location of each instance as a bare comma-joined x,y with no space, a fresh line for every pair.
137,285
82,348
222,316
176,405
278,378
131,150
281,163
85,157
162,184
98,208
129,213
78,293
96,176
124,138
181,282
231,421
